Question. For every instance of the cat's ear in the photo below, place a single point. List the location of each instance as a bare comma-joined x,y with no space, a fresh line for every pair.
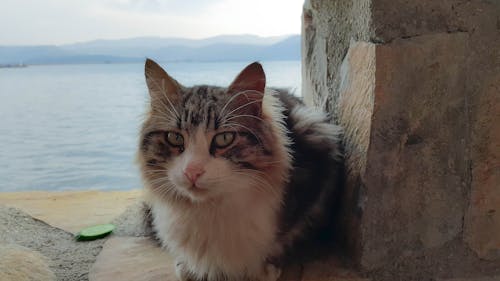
252,78
248,89
161,86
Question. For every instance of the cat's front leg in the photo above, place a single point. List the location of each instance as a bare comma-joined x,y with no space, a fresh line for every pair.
270,272
181,272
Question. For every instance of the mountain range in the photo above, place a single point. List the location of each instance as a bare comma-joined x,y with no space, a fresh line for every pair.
220,48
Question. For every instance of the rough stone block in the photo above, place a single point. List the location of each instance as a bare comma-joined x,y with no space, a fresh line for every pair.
328,27
72,210
482,221
329,269
417,93
415,177
132,258
314,53
491,278
405,142
140,259
19,263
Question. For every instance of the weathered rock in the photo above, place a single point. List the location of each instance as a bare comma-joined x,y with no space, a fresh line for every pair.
491,278
482,221
387,139
132,258
72,210
22,264
416,85
415,177
393,19
67,258
330,269
140,258
482,224
328,27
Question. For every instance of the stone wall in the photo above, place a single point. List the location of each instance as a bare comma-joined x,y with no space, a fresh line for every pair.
416,84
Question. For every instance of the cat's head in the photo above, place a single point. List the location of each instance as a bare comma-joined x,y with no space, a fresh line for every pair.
205,142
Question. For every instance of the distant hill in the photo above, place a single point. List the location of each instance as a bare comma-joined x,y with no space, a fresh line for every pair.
220,48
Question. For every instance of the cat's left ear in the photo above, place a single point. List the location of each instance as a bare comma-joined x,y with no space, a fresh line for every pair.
161,86
248,88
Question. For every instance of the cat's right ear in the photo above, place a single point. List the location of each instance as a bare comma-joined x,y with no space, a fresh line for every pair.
161,86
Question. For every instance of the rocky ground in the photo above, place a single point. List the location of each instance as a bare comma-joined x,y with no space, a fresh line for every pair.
28,220
27,243
69,211
68,259
73,260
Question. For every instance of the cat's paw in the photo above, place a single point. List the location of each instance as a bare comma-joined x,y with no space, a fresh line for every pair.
271,273
180,271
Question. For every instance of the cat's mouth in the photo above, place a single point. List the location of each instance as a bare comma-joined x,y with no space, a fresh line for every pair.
196,189
197,193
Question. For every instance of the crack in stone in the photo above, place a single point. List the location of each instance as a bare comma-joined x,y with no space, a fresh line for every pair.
380,41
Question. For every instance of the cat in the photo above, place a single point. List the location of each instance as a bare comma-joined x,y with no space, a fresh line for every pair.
235,177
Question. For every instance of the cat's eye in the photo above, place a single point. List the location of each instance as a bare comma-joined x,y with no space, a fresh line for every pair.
175,139
223,139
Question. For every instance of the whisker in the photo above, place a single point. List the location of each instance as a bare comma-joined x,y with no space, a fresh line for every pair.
243,115
261,184
242,106
158,180
244,127
222,112
167,188
156,165
154,171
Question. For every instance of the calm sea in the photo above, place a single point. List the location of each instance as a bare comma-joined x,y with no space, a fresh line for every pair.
70,127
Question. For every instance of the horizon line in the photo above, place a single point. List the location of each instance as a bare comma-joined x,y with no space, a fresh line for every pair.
149,37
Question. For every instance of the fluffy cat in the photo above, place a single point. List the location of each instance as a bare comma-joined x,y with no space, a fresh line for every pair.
235,177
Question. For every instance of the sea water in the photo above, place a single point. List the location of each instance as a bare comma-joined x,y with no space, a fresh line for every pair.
75,127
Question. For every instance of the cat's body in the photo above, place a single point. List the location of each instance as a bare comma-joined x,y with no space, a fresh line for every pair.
234,176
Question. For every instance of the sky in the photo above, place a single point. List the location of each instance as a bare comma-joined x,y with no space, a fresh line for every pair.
56,22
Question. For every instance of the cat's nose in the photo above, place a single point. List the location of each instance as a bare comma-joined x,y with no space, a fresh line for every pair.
193,172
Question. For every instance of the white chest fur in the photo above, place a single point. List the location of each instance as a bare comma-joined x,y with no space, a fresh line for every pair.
233,236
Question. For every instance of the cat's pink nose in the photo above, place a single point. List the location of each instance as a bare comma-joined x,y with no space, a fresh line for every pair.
193,172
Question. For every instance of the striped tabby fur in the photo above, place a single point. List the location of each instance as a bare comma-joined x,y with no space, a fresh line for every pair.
235,176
